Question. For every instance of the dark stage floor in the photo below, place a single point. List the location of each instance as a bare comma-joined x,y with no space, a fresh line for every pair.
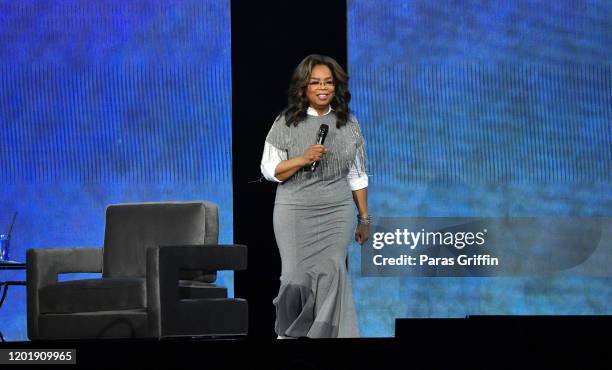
477,342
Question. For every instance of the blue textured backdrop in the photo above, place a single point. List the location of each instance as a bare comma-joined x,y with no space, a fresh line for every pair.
108,102
482,108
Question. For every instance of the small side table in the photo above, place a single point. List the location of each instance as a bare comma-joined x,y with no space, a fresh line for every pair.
9,265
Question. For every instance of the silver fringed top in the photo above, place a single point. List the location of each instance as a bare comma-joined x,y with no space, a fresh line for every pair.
328,183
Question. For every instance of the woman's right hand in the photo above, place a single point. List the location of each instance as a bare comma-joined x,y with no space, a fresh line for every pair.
314,153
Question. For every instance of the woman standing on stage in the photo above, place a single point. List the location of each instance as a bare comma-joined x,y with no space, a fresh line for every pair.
314,215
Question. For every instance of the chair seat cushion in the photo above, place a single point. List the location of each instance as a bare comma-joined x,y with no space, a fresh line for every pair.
90,295
190,289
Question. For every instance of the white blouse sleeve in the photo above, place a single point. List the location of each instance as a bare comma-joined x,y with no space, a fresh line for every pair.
271,157
357,181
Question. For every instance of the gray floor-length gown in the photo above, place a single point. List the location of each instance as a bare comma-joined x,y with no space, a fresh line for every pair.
314,223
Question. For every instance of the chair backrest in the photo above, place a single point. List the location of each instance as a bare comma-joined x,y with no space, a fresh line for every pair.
132,228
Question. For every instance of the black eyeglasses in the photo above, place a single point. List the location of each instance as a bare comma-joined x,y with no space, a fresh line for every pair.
323,83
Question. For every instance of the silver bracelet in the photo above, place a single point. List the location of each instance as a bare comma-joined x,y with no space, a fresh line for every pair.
364,220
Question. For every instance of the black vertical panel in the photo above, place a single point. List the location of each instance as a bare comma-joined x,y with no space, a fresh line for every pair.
269,39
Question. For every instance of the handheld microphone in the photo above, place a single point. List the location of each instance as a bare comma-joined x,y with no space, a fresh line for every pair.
321,135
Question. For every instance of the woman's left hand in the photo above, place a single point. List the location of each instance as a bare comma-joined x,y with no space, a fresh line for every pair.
362,233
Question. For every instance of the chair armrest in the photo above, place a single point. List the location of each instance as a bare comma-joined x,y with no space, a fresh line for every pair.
210,257
44,264
164,264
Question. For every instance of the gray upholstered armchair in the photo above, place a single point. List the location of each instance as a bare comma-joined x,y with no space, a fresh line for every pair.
158,266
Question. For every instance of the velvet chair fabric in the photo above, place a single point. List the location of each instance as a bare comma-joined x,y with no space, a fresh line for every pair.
185,317
128,301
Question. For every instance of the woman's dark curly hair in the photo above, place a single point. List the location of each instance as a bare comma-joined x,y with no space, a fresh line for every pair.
297,99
